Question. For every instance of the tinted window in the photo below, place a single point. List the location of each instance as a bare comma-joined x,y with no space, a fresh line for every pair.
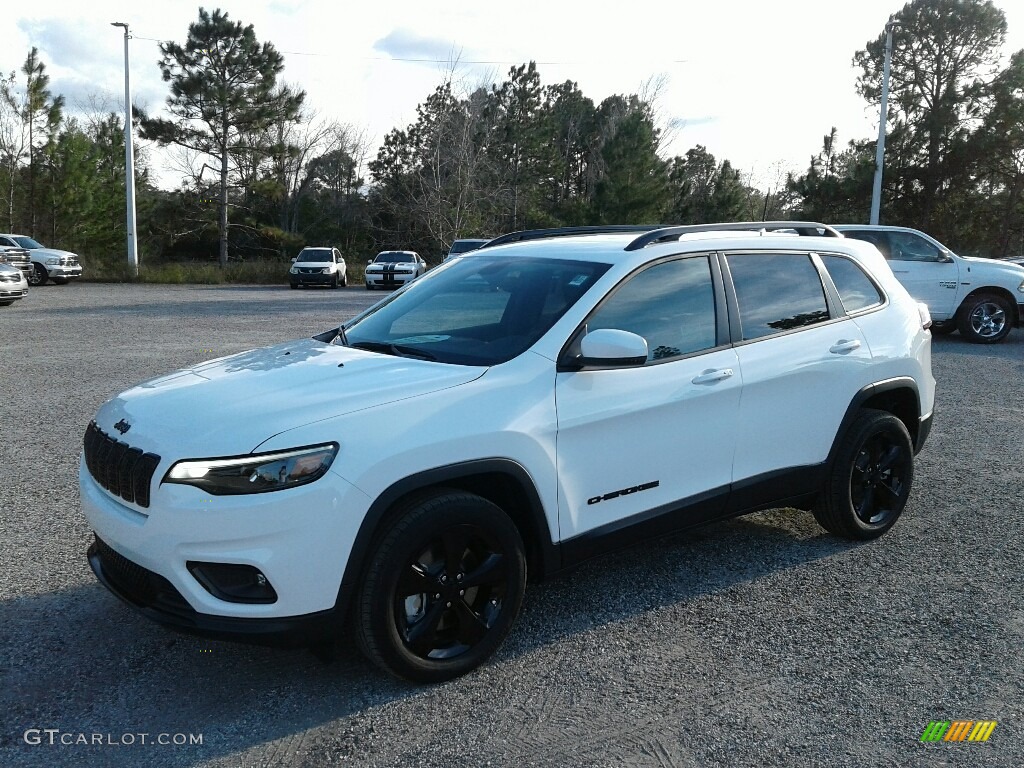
776,292
906,246
877,238
855,288
672,305
395,257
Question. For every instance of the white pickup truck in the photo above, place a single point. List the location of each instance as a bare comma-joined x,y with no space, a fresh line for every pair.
982,298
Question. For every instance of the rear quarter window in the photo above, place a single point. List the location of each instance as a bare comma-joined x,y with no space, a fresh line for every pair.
857,290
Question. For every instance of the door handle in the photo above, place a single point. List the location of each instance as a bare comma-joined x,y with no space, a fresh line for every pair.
843,346
711,376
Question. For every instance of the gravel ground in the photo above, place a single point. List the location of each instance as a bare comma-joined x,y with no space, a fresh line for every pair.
761,641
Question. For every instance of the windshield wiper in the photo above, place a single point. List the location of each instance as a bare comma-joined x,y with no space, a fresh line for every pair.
398,350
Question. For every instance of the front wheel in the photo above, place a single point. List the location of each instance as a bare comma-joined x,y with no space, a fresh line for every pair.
442,589
985,319
38,275
870,479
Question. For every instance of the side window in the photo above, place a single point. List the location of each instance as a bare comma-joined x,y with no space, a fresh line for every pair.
877,238
906,246
776,292
671,304
855,288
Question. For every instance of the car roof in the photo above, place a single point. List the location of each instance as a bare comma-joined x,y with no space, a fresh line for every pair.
643,242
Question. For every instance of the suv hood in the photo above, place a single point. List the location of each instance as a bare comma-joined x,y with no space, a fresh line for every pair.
321,264
228,406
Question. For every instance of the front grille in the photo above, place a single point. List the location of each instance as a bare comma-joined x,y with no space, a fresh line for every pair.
124,471
139,585
68,261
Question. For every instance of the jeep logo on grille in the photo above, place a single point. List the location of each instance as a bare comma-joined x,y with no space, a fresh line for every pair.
122,426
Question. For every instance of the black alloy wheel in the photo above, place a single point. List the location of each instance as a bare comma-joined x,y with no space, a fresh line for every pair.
870,479
443,587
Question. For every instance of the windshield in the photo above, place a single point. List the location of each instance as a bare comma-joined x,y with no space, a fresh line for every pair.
28,242
481,311
314,254
394,257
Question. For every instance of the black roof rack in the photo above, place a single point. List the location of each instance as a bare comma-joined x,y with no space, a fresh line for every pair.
805,228
598,229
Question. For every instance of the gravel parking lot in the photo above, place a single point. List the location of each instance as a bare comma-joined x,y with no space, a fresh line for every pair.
761,641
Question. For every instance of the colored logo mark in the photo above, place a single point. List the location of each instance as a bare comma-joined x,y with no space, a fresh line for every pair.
958,730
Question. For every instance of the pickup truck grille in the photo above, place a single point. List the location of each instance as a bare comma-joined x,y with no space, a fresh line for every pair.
124,471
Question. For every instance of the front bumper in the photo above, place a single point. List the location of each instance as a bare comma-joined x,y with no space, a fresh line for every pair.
389,280
924,428
156,598
9,293
299,539
320,279
61,271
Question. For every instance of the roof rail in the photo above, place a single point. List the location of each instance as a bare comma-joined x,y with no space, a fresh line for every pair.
597,229
805,228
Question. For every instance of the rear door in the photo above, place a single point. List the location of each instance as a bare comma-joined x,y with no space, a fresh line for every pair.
802,360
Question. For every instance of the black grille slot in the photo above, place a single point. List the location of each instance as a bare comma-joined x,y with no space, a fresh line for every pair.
124,471
135,583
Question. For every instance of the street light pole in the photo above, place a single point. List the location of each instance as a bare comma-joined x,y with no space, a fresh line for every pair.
129,161
876,190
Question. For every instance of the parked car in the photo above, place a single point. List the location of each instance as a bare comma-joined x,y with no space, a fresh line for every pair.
318,266
47,263
405,471
17,257
392,269
982,298
465,245
13,285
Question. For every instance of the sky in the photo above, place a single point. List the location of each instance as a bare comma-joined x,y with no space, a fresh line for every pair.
757,83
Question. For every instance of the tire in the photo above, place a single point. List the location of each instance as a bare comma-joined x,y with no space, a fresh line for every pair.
293,286
870,479
344,280
334,281
943,329
415,616
985,318
60,281
38,275
369,287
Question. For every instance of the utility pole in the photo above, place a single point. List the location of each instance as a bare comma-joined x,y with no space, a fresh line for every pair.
129,160
876,190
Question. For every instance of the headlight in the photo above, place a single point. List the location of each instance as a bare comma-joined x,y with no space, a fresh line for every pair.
326,270
53,260
294,270
257,473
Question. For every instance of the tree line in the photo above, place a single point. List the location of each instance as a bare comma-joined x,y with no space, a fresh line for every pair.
263,175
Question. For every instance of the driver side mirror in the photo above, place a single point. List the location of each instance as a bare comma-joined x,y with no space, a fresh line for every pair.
609,348
945,258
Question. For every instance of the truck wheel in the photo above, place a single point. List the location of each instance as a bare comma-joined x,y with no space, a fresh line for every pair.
38,275
985,318
442,588
869,481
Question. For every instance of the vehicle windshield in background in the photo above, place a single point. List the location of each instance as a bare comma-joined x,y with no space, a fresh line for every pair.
314,254
28,242
482,311
394,257
464,246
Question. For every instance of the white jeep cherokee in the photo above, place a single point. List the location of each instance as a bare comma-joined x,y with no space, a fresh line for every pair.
575,391
982,298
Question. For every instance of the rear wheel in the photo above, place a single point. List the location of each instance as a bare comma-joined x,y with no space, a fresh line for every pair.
985,318
870,479
38,275
442,589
